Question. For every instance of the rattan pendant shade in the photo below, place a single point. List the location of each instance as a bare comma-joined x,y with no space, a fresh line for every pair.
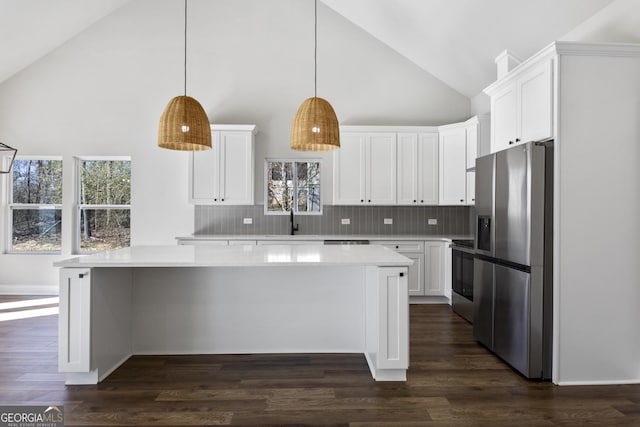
184,125
315,126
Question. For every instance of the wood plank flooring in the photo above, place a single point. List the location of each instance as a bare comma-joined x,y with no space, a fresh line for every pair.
452,381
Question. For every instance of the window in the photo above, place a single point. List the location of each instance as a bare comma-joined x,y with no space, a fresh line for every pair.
35,206
104,199
293,185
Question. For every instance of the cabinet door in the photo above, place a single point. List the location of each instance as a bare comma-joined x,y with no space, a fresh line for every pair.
204,173
381,169
348,170
416,274
434,268
428,169
74,321
471,188
472,145
453,167
408,169
236,168
503,118
535,92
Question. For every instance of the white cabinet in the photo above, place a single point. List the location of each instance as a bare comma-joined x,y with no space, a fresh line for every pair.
453,166
472,135
413,250
460,144
201,242
74,321
435,267
471,188
522,106
417,169
224,174
364,169
289,242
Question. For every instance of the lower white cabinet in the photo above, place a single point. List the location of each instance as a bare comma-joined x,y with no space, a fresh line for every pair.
200,242
428,274
290,242
74,321
435,266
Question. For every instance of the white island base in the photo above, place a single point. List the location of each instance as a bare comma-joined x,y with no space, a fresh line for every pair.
283,299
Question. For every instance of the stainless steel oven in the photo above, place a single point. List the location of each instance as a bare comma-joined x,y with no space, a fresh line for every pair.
462,254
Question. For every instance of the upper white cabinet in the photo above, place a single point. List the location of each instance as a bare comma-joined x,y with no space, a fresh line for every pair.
224,174
364,169
417,168
453,165
408,165
522,105
459,145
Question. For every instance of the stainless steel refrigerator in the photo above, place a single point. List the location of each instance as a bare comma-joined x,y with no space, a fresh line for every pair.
513,265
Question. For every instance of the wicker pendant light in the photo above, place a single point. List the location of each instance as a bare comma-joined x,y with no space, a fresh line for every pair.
184,124
315,126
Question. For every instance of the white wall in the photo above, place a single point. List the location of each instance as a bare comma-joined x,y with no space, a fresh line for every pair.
249,61
599,182
597,229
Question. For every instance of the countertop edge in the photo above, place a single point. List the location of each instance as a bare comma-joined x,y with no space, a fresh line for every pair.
370,237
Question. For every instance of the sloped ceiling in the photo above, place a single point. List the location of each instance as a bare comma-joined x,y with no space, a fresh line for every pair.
29,29
454,40
458,40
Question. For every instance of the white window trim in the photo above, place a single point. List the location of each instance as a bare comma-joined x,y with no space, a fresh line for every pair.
266,181
10,207
77,206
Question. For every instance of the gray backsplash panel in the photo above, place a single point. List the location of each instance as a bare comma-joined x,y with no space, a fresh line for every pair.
452,220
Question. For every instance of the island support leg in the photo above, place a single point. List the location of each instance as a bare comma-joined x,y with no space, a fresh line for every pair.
387,323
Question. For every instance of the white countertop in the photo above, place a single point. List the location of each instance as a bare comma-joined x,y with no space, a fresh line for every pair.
241,256
441,238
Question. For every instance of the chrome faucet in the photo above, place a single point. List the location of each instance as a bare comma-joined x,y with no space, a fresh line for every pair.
292,227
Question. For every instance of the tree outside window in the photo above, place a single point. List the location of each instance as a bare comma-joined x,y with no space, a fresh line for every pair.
104,204
292,185
36,205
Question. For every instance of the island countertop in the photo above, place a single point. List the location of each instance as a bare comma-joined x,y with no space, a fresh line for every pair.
241,256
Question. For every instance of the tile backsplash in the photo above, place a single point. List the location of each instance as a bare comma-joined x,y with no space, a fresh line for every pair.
451,220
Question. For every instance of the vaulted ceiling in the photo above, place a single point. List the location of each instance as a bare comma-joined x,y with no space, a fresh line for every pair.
454,40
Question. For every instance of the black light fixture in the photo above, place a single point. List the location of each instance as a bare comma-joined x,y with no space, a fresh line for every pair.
4,148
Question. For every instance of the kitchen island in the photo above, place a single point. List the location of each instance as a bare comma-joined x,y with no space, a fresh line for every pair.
233,300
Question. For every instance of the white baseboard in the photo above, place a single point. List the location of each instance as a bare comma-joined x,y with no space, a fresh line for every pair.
599,382
29,289
429,300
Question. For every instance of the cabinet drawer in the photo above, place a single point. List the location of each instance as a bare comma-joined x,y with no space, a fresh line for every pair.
204,242
402,246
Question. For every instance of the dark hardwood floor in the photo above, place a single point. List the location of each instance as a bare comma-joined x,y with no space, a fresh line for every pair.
452,381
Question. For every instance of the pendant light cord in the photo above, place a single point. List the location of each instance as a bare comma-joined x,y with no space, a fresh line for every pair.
185,47
315,50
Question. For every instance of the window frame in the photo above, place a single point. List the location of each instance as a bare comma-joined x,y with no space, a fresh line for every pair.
77,206
295,184
10,207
